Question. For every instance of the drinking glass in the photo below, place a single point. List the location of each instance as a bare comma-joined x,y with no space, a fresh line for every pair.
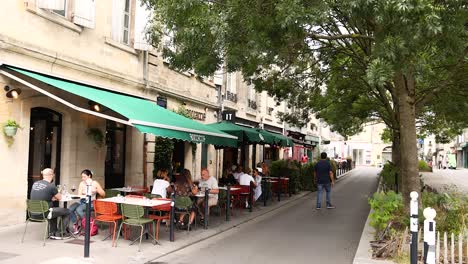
73,188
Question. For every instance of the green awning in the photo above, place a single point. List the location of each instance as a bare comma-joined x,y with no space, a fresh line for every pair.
145,115
245,135
276,139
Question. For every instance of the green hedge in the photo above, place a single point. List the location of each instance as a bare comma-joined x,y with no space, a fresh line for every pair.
307,177
388,174
423,166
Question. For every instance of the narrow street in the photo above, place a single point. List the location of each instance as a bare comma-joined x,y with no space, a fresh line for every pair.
295,234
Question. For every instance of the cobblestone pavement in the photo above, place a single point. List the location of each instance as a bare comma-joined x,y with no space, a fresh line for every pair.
443,179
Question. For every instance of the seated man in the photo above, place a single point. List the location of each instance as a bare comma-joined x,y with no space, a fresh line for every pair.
207,182
46,191
245,179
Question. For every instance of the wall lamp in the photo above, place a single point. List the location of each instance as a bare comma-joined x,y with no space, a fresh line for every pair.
94,106
12,92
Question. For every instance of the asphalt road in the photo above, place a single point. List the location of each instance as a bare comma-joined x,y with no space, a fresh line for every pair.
297,233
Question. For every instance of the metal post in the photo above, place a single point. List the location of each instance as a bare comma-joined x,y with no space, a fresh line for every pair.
205,222
429,236
251,190
414,227
228,203
264,193
88,218
278,190
171,225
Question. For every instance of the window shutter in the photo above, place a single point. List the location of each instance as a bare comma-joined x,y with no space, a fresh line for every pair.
142,17
84,13
117,19
51,4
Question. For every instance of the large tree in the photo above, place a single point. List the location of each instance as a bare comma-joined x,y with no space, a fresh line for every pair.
350,61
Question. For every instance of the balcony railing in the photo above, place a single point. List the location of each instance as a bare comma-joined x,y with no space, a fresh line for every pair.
230,96
252,104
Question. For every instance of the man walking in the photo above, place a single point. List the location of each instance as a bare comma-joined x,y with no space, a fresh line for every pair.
323,177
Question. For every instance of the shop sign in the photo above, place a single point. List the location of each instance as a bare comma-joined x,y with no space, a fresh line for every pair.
197,138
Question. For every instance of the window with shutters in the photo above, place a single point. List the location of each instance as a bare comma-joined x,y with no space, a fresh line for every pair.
121,21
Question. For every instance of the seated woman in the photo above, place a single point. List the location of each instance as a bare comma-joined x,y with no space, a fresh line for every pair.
228,178
161,185
184,189
78,210
258,179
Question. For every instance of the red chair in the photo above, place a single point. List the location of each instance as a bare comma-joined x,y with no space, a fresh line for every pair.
164,214
134,196
107,212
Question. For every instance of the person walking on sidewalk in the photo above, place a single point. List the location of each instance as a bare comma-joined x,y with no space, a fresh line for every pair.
323,177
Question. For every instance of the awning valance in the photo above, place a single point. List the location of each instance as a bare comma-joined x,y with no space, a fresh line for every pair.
245,135
143,114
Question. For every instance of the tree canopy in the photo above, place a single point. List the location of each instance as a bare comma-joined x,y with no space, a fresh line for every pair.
350,61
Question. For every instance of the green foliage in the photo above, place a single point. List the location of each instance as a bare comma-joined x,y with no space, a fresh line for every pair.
423,166
182,110
388,175
11,123
97,136
387,135
307,178
387,207
163,154
451,208
334,167
290,169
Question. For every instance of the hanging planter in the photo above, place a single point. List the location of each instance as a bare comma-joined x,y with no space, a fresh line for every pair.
9,130
97,136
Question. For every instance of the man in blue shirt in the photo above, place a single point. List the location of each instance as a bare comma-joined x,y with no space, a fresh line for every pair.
323,177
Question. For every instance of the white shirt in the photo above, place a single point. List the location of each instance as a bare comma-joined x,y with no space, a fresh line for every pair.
159,187
245,179
211,184
258,189
237,175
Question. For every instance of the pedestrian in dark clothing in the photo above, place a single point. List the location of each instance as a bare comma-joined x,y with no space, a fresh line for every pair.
323,177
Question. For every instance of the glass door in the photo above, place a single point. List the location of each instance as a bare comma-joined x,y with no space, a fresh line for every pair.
45,139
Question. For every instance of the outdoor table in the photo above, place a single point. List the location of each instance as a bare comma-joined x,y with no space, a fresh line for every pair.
141,202
67,198
125,190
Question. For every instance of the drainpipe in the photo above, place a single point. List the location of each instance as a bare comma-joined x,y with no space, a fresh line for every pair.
145,143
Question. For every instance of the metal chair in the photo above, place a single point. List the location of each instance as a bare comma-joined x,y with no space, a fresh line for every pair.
107,212
162,212
183,206
37,212
111,193
133,216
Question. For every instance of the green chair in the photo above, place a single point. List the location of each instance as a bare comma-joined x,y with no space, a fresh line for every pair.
222,201
183,206
37,212
111,193
132,215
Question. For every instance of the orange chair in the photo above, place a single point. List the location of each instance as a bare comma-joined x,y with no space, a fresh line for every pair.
164,214
107,212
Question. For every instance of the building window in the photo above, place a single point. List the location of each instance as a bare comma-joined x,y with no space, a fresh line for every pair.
62,12
121,15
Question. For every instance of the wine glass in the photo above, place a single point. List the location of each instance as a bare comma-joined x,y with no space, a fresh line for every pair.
73,188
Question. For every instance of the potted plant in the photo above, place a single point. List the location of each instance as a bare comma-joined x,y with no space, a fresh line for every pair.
10,128
96,135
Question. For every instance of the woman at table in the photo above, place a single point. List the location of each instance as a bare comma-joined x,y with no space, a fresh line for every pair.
78,210
161,185
186,188
258,179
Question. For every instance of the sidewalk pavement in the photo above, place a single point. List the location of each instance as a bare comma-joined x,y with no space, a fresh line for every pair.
65,251
443,179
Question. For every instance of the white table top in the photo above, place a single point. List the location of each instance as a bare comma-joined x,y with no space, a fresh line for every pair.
275,178
68,198
232,188
135,201
128,189
271,181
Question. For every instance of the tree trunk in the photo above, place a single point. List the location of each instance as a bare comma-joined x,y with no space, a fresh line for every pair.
396,155
405,90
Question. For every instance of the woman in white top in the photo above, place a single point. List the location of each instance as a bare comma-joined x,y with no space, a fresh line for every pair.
78,210
161,185
258,180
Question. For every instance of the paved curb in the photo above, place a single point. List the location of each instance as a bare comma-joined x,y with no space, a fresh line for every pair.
364,251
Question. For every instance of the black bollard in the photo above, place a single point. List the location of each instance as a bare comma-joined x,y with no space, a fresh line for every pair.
251,190
171,225
205,222
278,190
88,226
264,193
414,228
228,203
